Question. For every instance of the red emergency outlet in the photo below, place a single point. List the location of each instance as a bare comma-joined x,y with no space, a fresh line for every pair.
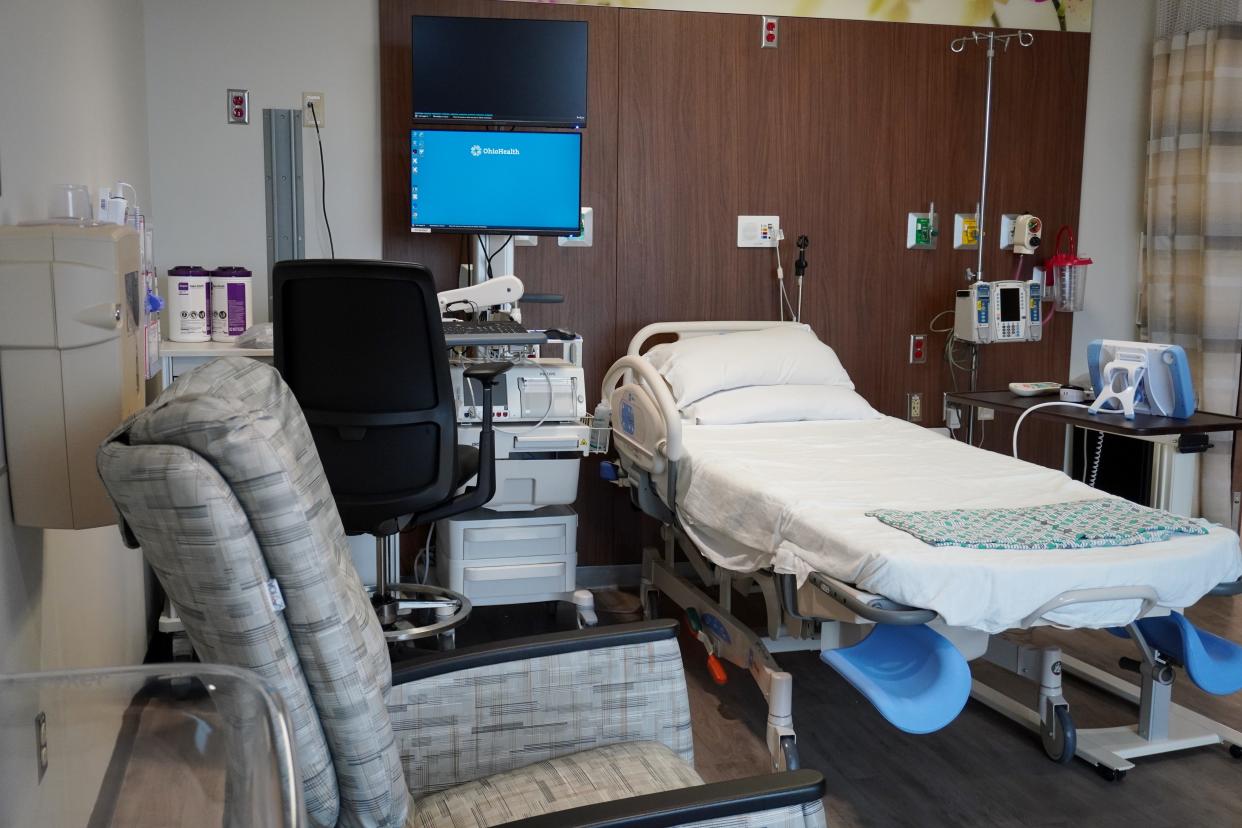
771,32
918,349
239,106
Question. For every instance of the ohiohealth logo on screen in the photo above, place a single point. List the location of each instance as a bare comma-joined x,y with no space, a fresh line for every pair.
477,150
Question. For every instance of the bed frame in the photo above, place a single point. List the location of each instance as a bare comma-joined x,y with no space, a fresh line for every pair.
825,614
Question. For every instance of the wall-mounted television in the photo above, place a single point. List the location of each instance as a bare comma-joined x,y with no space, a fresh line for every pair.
471,181
484,70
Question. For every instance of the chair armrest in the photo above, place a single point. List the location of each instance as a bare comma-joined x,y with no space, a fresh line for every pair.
535,646
487,373
719,800
479,711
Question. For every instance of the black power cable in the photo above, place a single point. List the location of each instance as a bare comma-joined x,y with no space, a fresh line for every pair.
323,180
494,254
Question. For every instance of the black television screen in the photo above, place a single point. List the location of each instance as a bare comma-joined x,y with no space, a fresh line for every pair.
490,70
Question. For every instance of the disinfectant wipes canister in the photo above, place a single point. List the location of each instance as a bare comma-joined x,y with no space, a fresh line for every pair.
232,297
188,291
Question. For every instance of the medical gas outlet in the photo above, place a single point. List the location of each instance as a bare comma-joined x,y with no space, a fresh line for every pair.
966,231
758,231
1020,233
922,230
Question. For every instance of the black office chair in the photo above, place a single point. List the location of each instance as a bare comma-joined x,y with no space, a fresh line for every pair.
361,346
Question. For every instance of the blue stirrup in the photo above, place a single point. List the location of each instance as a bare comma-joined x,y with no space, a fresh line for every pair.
913,675
1213,663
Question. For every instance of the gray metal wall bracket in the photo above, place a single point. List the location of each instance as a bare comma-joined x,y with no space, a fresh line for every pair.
282,171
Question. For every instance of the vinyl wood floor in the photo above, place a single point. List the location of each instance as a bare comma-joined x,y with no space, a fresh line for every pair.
982,770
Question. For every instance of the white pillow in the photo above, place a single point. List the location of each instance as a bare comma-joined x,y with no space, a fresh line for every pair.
781,404
703,365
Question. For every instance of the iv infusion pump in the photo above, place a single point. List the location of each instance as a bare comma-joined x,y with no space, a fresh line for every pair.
1002,311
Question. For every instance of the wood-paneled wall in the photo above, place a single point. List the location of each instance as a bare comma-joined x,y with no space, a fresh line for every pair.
841,131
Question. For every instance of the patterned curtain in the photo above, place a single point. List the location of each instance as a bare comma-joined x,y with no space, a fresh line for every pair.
1192,271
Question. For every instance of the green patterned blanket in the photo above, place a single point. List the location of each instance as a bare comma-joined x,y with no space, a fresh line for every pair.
1077,524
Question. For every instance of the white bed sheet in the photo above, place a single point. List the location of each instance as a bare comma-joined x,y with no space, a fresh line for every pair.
793,496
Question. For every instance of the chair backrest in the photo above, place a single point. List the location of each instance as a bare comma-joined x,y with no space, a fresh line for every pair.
361,346
219,482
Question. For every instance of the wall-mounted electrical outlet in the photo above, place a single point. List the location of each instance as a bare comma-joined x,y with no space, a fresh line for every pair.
41,743
914,407
952,417
758,231
771,32
918,349
985,414
239,106
525,241
320,113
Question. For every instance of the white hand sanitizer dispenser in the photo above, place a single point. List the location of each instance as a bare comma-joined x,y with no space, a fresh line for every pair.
70,365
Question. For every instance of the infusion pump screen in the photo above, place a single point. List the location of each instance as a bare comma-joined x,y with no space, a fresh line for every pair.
1010,304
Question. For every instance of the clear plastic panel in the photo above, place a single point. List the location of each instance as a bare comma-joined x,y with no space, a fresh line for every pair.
160,745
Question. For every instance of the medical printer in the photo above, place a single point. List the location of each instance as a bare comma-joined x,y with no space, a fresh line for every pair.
521,546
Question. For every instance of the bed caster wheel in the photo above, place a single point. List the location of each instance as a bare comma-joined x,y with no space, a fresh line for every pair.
1110,774
789,750
1061,743
1235,751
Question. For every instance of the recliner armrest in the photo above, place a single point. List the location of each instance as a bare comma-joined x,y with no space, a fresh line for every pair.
487,373
719,800
535,646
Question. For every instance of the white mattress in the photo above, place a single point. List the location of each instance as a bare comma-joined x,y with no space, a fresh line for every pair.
793,497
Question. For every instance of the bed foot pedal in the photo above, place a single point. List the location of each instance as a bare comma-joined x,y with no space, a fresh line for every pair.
913,675
1213,663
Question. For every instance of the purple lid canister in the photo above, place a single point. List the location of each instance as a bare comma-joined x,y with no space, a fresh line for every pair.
231,272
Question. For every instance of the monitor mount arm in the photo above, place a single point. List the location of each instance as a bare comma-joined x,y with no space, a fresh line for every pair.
502,290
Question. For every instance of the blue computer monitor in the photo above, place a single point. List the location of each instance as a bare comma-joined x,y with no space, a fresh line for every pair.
495,182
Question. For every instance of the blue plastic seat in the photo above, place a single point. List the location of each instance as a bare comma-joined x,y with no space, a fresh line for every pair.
913,675
1213,663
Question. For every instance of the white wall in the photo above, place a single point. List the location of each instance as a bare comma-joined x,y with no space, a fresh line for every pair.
71,88
1114,159
208,174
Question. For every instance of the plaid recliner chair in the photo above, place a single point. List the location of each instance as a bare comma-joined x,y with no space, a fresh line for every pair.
218,480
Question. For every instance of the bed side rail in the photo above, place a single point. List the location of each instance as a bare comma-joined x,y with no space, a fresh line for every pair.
1227,588
687,329
883,611
657,391
1094,595
873,608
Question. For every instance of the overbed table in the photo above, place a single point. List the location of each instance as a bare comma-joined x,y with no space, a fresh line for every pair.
1170,437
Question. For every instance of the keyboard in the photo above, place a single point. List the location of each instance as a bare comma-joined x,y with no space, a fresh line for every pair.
506,332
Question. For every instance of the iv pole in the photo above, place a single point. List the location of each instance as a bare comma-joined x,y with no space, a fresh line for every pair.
959,45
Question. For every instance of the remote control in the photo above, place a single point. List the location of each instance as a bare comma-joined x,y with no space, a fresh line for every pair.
1034,389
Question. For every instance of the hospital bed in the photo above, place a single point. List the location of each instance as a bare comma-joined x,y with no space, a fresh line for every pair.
779,509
